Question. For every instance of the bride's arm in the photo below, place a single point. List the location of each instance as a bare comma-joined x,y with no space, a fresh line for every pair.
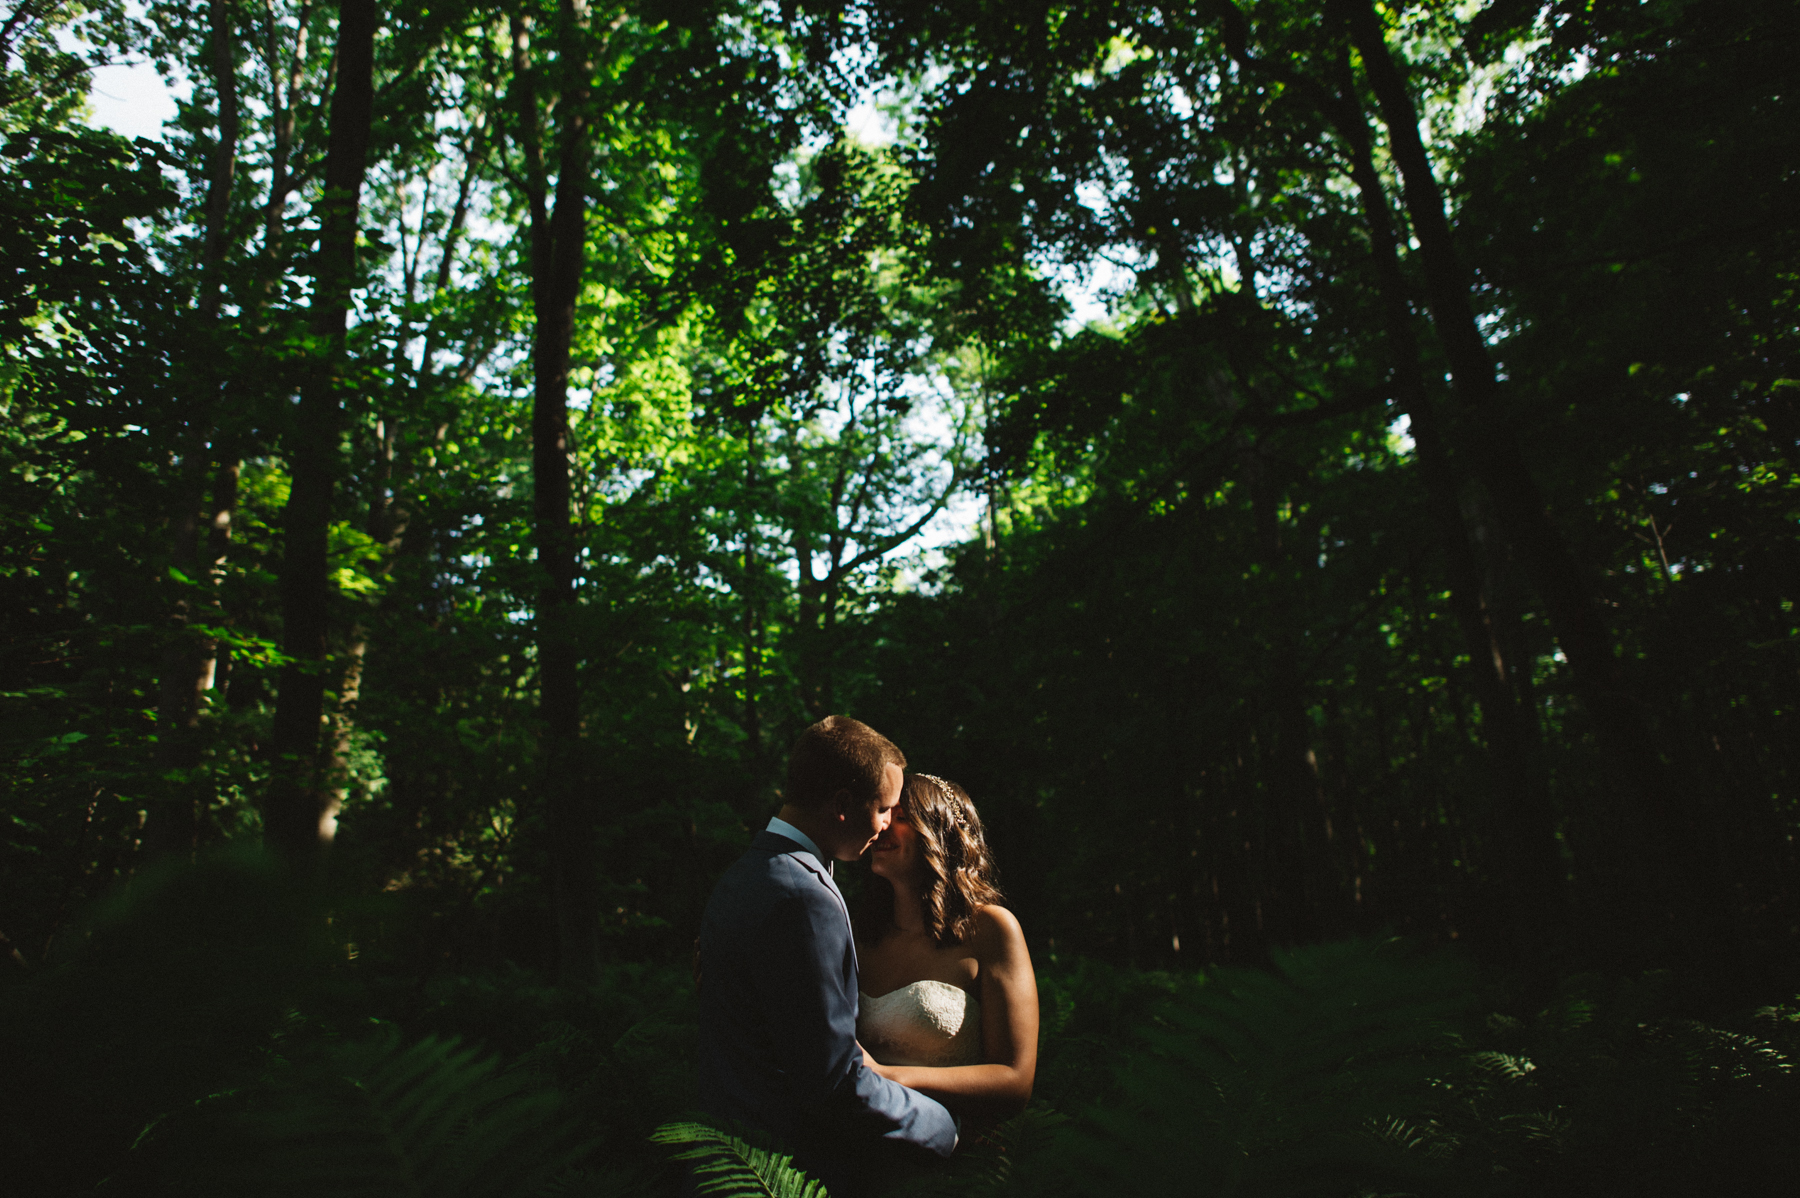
1000,1086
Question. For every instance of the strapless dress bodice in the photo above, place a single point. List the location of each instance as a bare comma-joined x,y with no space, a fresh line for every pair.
925,1023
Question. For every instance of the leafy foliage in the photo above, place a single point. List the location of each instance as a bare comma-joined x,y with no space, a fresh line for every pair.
379,1116
1372,1067
1292,1081
256,1057
730,1167
1086,436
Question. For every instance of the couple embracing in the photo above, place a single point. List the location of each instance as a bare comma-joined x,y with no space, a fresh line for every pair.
791,1041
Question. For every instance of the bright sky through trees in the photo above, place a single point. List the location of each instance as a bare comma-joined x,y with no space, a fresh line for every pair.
130,99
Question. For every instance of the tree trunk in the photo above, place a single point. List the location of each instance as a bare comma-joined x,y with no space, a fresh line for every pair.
1301,904
1299,900
299,816
173,826
558,255
1528,861
1568,599
1676,846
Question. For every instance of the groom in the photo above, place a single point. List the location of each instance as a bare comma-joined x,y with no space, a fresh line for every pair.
777,971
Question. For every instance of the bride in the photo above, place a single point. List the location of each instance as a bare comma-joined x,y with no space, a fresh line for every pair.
949,1004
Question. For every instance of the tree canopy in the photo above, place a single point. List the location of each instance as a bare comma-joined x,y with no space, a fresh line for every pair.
1309,470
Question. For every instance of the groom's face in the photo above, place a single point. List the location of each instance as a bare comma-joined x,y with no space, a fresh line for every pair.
863,821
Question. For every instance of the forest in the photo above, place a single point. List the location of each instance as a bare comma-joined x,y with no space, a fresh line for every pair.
1324,475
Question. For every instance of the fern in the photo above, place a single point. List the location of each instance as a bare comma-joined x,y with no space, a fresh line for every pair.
1017,1157
1505,1064
1598,1092
1311,1077
728,1167
378,1118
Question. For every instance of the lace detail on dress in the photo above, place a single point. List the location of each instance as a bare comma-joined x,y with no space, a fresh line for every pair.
925,1023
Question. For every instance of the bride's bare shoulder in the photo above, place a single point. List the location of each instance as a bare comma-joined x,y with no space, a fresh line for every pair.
996,929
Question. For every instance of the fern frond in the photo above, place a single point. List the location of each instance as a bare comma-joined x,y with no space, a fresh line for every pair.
378,1118
1502,1063
1270,1081
1548,1128
1018,1157
1400,1133
725,1166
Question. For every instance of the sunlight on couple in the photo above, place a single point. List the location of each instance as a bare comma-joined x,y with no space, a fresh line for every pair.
864,1044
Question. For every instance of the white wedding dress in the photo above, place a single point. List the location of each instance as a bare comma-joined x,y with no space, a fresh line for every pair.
925,1023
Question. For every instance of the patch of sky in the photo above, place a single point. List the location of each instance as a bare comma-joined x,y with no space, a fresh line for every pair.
128,96
619,485
886,110
941,424
1091,289
1468,107
132,99
956,524
787,183
873,121
1180,103
1492,325
1399,434
956,521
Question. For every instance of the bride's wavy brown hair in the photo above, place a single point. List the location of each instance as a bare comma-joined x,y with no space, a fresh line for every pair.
960,877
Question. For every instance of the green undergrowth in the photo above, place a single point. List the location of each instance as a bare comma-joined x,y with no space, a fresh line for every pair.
208,1034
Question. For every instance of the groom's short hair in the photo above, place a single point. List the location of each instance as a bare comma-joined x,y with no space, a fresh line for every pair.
838,753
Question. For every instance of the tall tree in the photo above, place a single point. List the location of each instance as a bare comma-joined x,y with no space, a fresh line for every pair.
555,163
1650,809
1525,830
298,811
200,540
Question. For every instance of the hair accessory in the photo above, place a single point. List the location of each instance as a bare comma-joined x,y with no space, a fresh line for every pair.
951,803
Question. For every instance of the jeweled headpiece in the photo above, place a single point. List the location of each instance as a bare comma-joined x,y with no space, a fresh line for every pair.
951,802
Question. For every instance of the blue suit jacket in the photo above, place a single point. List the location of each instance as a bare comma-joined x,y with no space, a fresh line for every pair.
778,1001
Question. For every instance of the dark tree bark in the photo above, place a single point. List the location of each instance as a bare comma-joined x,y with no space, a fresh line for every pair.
558,255
1524,821
1568,599
200,541
388,517
1527,857
284,73
1302,903
1675,844
224,164
299,817
1298,896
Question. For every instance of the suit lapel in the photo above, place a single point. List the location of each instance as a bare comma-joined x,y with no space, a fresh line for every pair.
775,842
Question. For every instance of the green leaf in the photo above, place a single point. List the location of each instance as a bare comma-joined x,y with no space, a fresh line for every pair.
729,1167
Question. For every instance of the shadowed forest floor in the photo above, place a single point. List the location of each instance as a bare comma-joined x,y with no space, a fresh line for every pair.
214,1035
